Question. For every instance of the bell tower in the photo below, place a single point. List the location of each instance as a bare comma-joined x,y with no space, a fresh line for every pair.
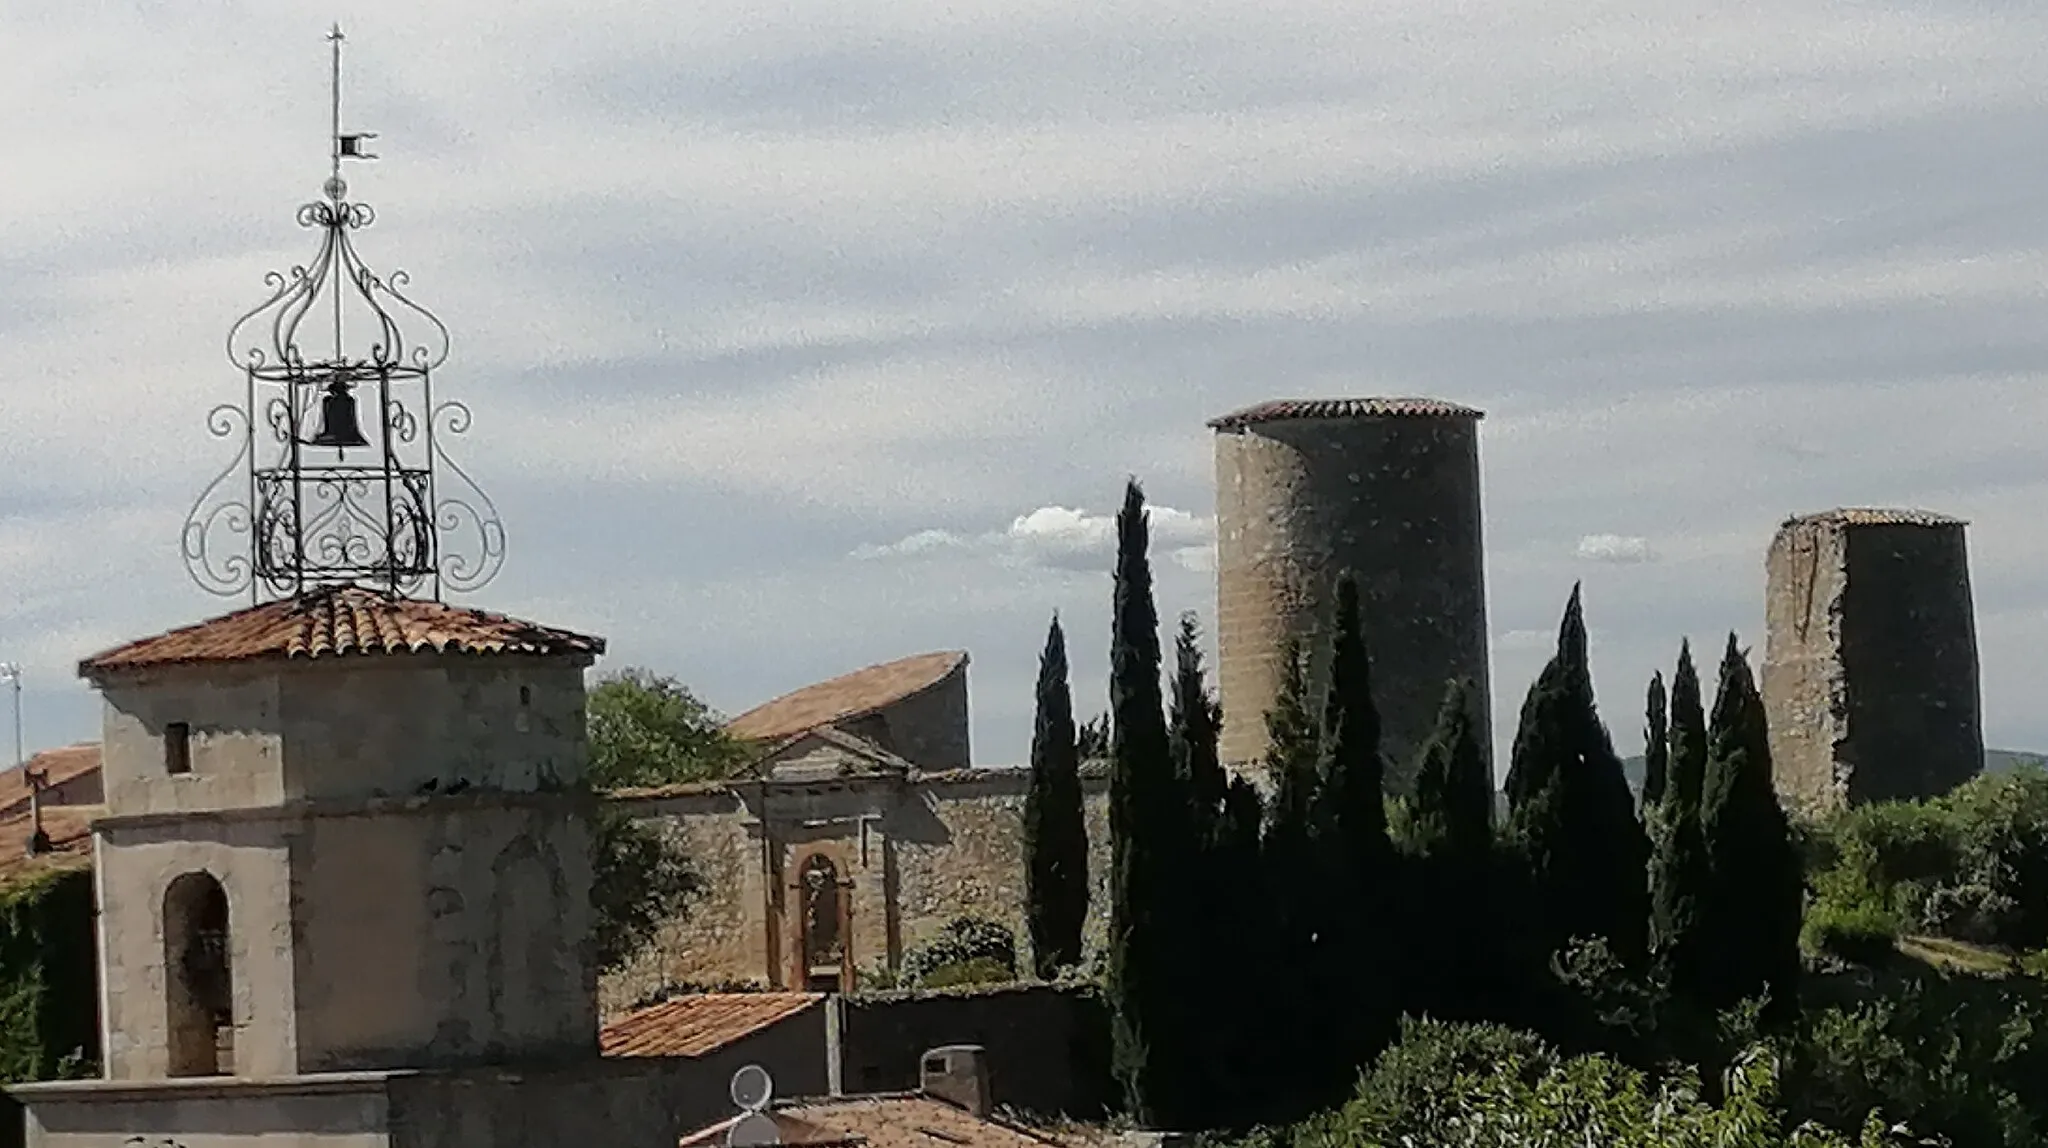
344,875
340,472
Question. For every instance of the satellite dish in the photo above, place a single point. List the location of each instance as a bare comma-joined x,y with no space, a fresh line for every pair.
752,1089
753,1131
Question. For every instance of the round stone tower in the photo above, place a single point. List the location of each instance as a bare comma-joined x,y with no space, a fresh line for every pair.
1385,488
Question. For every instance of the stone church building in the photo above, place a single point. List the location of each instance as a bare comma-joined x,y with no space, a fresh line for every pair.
856,834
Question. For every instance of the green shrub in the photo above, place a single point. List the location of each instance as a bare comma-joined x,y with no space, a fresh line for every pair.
961,941
1860,932
1959,1057
1454,1086
978,971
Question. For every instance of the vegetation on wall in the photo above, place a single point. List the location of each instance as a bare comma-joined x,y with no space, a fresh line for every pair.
49,998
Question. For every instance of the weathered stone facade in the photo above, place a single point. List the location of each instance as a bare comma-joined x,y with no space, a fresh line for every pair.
1387,489
911,851
1870,675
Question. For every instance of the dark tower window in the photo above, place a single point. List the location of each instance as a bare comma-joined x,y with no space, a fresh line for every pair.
198,978
178,747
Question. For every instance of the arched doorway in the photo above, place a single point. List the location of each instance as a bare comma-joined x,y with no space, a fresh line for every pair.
198,980
823,944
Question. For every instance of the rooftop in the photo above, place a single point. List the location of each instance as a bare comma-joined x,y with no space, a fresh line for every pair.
57,767
886,1120
69,828
1874,516
337,621
699,1024
846,697
1366,408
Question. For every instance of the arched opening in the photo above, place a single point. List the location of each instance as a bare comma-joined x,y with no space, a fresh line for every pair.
198,981
824,925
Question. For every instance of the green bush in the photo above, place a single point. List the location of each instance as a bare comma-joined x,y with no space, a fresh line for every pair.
961,941
979,971
1457,1086
1959,1057
1861,932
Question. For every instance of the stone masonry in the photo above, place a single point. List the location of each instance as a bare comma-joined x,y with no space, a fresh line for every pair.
1387,489
1870,675
914,852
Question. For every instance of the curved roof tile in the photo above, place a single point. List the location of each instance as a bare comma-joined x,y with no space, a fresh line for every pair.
846,697
335,621
1370,408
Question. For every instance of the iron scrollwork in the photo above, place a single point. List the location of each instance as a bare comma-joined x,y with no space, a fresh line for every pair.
312,496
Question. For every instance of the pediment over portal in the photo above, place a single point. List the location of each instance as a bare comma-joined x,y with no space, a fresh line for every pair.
827,754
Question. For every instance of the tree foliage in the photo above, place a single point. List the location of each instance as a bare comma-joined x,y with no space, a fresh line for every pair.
1572,815
645,729
1148,836
1656,745
1680,871
1055,832
648,729
1751,913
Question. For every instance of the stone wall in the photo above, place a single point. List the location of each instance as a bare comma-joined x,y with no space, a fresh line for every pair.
1870,676
975,865
1048,1047
929,729
1393,500
265,734
917,853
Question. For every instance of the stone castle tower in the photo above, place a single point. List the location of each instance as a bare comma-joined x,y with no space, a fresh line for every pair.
1386,488
1870,674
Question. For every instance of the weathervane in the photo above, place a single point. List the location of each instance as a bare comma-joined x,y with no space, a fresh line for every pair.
387,508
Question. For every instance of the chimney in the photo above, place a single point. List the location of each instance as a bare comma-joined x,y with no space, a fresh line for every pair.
958,1075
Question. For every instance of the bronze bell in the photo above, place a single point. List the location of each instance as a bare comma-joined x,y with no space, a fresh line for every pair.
338,425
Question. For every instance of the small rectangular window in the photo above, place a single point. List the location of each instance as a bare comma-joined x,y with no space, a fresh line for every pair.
177,747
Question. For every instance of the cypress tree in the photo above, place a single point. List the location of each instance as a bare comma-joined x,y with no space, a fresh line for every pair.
1196,720
1656,746
1751,913
1220,925
1679,873
1297,1044
1055,834
1453,803
1573,815
1147,820
1456,967
1349,828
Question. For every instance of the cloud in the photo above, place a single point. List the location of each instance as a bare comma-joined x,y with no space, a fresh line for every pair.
1619,549
740,289
1061,538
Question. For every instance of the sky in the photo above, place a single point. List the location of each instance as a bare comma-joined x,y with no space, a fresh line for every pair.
806,335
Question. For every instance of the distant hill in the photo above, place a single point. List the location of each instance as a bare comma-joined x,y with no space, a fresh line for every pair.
1995,761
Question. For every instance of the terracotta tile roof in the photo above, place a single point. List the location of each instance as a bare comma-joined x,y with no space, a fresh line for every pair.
57,767
69,828
1874,516
343,620
698,1024
1380,408
845,697
883,1121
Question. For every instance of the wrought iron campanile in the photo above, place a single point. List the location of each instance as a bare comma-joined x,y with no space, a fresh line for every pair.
340,473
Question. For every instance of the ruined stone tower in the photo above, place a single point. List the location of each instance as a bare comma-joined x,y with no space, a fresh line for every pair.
1870,663
1386,488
